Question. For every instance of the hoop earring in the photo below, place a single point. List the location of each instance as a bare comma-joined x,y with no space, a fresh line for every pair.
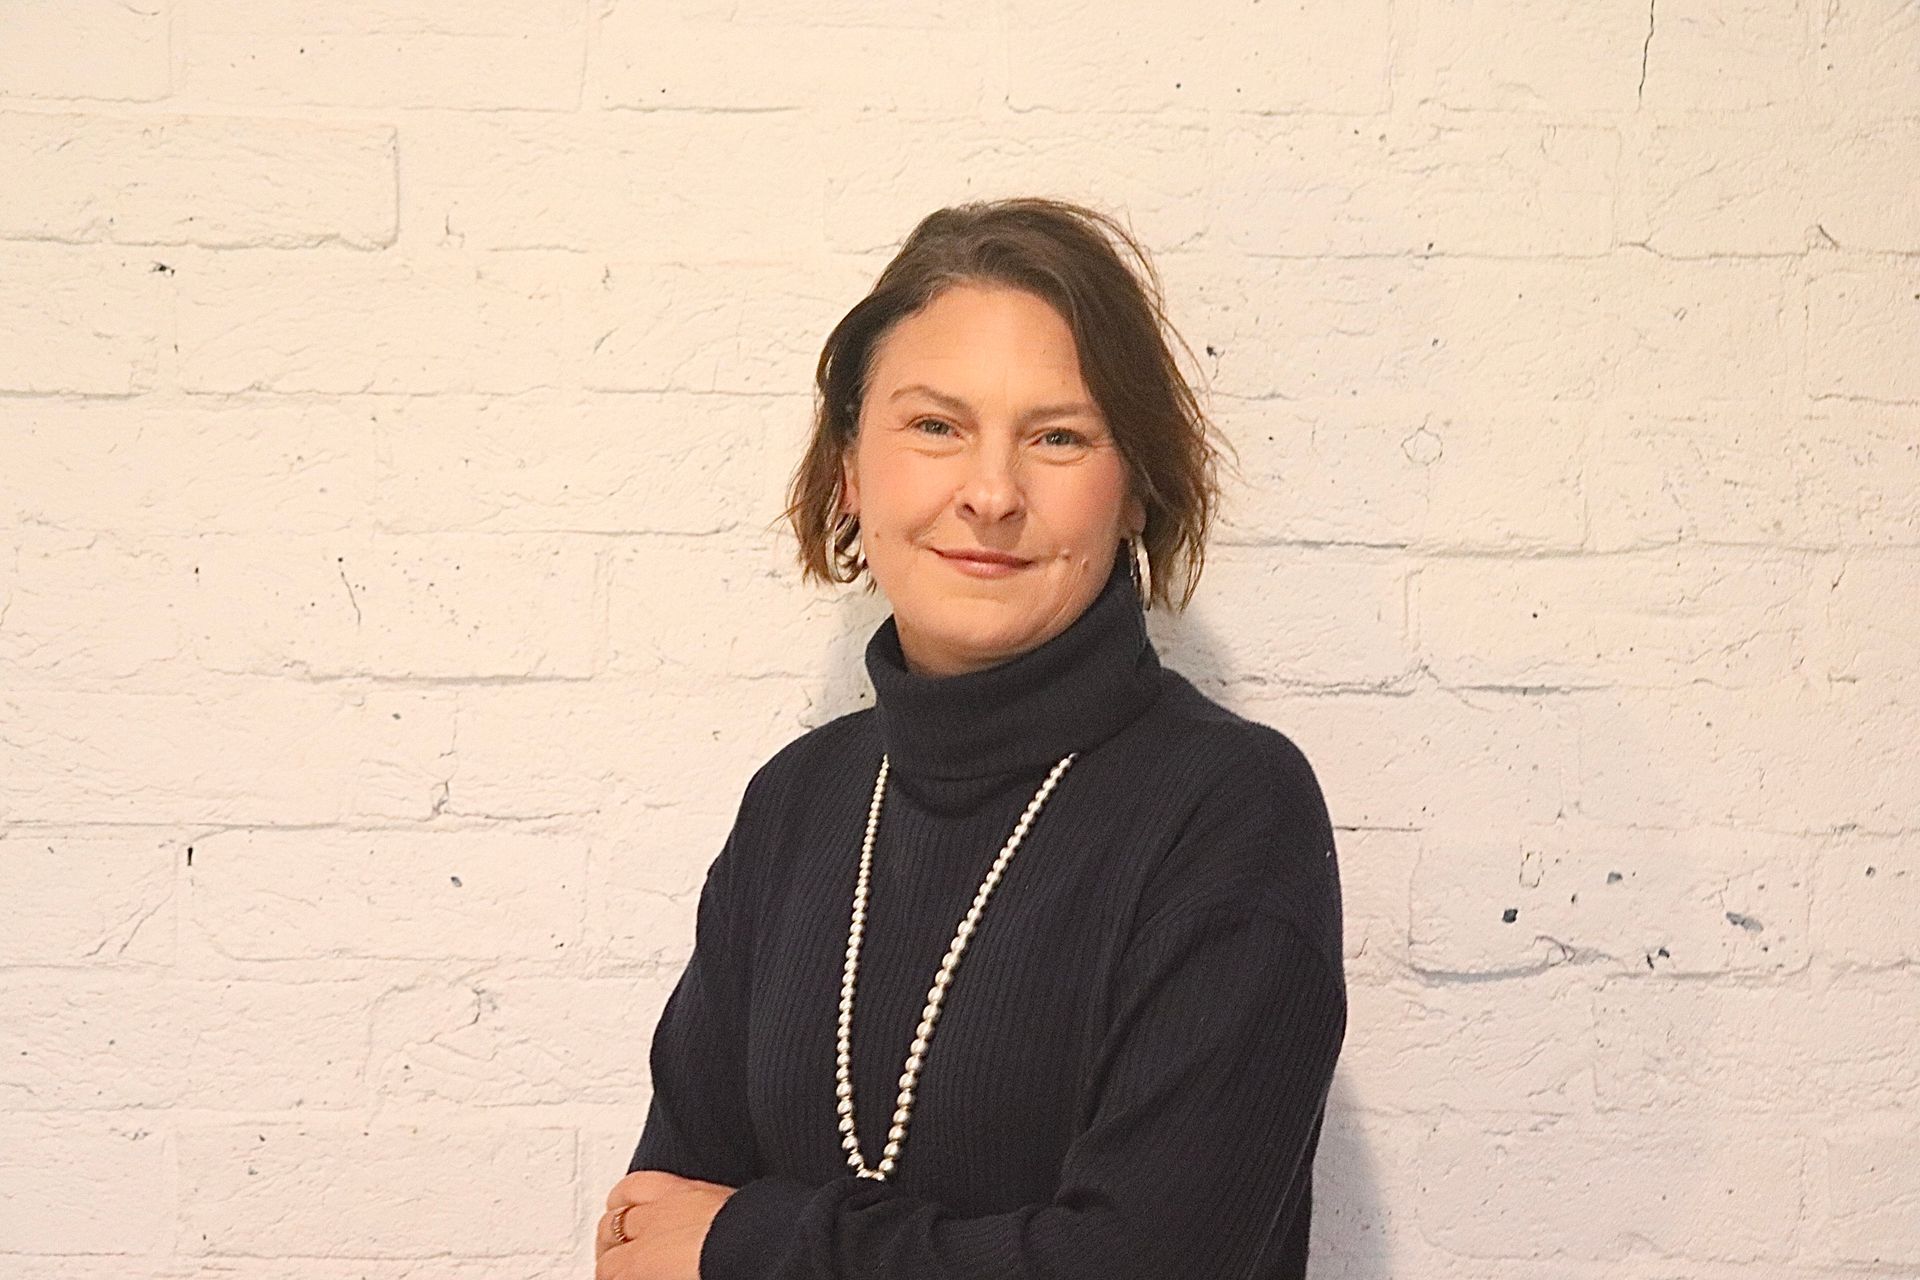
1142,569
834,532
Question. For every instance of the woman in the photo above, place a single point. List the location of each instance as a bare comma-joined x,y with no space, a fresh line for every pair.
1116,1066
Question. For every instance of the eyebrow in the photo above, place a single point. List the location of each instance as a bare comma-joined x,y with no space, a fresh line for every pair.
1078,409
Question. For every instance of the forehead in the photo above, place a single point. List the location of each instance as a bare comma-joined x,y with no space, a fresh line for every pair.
968,332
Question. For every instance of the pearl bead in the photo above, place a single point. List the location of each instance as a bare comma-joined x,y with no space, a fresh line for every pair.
923,1034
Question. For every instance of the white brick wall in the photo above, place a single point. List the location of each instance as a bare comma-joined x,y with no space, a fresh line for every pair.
395,400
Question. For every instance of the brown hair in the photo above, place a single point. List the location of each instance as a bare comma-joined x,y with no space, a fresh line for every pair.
1070,256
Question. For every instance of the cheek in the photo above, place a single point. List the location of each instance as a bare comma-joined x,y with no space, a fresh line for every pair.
1092,505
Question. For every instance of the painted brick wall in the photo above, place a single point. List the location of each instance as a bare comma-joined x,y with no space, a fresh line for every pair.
395,400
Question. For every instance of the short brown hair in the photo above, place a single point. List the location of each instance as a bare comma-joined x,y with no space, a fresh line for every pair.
1072,257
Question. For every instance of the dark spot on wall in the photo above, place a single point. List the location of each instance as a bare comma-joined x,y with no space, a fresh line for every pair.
456,881
1614,877
1510,914
189,855
1870,869
1744,922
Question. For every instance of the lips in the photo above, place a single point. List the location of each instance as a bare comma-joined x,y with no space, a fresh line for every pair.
984,557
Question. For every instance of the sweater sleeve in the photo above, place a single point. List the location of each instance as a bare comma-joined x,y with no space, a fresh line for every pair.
1214,1073
697,1124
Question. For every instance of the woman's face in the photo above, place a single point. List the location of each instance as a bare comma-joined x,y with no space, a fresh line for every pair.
990,494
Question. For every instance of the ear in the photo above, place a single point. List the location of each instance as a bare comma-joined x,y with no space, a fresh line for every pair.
1136,515
849,484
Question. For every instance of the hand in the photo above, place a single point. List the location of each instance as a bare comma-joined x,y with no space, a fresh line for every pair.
665,1226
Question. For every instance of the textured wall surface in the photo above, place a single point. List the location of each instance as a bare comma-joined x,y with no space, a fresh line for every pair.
395,400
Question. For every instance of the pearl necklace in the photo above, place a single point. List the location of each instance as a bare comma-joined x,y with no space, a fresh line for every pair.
936,995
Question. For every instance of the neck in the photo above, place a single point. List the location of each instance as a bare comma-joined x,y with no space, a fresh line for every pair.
1068,693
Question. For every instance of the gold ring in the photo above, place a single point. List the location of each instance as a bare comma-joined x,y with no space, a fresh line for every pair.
619,1225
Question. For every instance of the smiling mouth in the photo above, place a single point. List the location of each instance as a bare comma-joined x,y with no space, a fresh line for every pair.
999,558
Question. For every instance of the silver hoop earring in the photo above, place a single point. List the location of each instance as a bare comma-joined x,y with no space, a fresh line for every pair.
1142,571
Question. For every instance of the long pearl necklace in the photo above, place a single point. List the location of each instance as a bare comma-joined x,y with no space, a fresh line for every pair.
923,1034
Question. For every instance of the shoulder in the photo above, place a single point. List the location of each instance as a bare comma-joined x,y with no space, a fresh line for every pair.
1256,836
796,769
1235,764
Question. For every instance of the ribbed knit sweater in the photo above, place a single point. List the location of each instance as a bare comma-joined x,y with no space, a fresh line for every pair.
1129,1071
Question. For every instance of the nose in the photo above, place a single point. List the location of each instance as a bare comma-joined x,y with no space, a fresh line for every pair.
991,491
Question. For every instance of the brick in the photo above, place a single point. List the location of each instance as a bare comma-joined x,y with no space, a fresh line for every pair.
1856,638
196,180
1693,333
384,1190
616,463
89,608
562,749
83,49
641,57
1780,186
649,863
56,1171
642,186
1866,901
1387,474
1507,753
904,14
1511,1046
1790,758
385,894
1314,186
661,591
1863,334
386,53
176,465
419,606
1214,56
1376,869
237,753
754,328
1864,55
1733,475
105,1042
1727,55
1832,1049
1667,617
93,900
1873,1192
82,320
1671,1186
1842,474
1447,329
1633,901
345,322
1862,466
890,169
518,1041
1303,616
1522,56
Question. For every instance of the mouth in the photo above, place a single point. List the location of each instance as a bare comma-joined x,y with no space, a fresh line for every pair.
981,562
981,556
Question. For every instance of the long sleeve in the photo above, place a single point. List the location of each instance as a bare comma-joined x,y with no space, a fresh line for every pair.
1226,1024
697,1123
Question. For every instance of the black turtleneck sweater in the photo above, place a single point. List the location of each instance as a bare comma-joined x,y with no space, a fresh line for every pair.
1129,1070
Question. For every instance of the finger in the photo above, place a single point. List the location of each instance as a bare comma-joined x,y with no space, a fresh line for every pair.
641,1186
628,1220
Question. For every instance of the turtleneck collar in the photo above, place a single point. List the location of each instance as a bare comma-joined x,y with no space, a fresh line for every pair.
1069,694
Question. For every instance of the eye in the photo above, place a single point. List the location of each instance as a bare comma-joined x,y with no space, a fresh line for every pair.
1063,437
931,426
